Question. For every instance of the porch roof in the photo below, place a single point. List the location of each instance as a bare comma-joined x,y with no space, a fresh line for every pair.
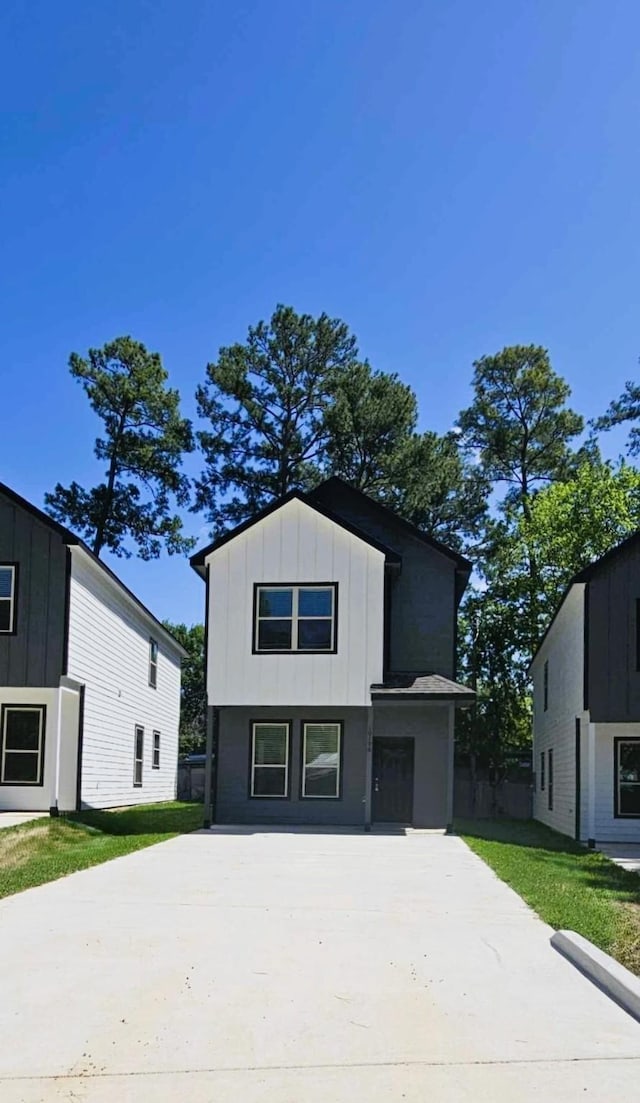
421,687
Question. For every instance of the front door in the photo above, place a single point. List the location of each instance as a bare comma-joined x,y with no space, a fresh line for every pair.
392,780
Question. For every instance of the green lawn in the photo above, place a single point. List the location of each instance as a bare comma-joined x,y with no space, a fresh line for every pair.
46,849
569,887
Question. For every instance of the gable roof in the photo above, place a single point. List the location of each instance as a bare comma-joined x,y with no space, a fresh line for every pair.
585,575
198,559
462,563
71,540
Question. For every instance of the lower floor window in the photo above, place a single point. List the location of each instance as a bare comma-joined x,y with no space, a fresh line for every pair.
138,754
22,730
321,760
155,763
627,775
270,759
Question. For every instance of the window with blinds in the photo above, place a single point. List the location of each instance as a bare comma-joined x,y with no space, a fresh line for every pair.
270,759
321,746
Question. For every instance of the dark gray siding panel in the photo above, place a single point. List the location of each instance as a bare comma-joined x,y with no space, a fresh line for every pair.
34,656
233,804
429,727
422,628
614,682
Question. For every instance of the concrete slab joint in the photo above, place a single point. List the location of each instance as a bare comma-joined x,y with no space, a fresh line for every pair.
611,977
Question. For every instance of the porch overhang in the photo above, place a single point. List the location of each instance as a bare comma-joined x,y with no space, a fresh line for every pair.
425,687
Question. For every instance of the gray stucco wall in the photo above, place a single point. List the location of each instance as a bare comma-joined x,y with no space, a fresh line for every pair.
233,803
34,655
429,726
614,682
423,609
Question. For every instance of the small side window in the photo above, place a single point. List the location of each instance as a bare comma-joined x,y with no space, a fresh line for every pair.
550,781
542,771
153,664
7,598
155,762
138,756
545,686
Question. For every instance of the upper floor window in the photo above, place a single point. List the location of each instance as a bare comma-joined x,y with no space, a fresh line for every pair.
153,663
7,598
627,777
300,618
545,685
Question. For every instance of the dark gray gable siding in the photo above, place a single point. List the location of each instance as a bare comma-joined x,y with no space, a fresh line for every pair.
613,682
34,656
423,595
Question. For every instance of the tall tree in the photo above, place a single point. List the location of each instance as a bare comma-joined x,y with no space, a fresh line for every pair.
622,410
369,418
193,697
265,402
142,446
519,421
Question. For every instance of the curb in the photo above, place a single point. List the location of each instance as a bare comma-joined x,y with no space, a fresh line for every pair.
611,977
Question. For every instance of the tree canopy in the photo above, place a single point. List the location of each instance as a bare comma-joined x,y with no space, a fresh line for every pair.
143,443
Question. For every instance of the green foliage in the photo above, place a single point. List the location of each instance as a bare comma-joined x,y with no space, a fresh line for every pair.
569,887
45,849
265,402
143,444
518,420
624,409
193,700
369,419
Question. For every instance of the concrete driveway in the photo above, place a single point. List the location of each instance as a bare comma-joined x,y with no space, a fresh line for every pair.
313,967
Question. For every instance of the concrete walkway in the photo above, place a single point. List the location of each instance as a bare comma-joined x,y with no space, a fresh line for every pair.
276,967
626,855
14,819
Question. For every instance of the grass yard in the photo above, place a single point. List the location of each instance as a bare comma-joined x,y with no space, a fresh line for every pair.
569,887
46,849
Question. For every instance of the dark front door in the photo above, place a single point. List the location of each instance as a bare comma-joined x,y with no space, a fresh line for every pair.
392,797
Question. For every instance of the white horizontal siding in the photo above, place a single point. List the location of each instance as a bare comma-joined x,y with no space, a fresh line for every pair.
555,728
295,544
109,653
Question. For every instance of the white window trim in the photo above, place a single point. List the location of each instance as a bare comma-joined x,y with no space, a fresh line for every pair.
11,600
619,814
324,724
295,588
138,759
155,765
153,663
41,710
270,765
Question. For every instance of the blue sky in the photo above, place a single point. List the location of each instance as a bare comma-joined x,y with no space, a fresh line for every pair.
448,178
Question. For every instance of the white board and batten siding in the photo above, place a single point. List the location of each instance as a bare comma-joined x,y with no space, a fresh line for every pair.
295,544
108,651
554,729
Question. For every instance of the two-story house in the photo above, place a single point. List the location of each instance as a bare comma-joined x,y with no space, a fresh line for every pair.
586,697
89,678
331,658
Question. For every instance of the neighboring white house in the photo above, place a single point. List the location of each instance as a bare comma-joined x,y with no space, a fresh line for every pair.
89,678
586,704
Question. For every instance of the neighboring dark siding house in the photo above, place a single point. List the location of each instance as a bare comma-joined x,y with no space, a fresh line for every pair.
331,662
586,676
89,679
